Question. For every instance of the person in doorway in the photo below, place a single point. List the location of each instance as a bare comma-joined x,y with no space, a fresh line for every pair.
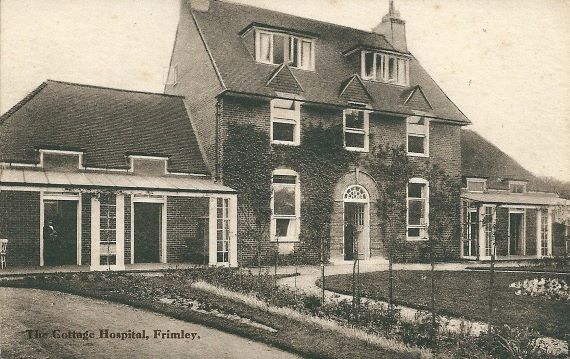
50,243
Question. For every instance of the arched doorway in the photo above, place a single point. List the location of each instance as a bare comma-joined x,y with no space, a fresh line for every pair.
356,204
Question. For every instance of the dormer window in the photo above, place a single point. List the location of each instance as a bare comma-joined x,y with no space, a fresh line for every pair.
277,48
476,184
517,186
377,66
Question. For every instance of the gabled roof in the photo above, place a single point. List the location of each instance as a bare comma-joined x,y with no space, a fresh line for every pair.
481,158
106,124
354,90
416,98
224,23
283,80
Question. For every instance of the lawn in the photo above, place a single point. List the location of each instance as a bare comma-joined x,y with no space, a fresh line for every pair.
465,294
160,293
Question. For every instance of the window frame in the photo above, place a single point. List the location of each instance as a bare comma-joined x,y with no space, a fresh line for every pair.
296,217
476,180
424,135
295,120
384,75
287,49
425,226
512,184
364,131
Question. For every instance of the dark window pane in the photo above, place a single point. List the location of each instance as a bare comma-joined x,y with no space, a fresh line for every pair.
284,179
415,190
284,200
379,66
368,64
355,119
282,227
416,144
278,49
392,68
283,131
413,232
354,140
108,260
416,212
294,55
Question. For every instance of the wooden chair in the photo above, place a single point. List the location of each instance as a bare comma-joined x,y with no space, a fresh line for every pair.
3,248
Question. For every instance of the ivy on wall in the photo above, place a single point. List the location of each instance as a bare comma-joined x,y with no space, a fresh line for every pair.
321,160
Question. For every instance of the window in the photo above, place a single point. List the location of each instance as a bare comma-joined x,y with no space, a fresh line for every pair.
277,48
544,232
285,205
108,240
386,68
418,136
476,184
222,230
489,228
517,186
355,124
285,122
418,209
470,230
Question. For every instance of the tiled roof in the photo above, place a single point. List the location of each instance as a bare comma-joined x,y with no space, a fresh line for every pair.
222,25
481,158
107,124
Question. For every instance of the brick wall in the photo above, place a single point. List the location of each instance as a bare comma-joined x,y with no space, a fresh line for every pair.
20,224
197,81
128,228
384,130
532,243
186,228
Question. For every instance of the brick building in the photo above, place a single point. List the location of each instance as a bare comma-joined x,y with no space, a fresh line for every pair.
503,206
106,178
278,77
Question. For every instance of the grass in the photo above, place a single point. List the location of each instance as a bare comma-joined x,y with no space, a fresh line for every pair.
465,295
294,334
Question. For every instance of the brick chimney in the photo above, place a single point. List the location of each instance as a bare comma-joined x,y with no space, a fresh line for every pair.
393,28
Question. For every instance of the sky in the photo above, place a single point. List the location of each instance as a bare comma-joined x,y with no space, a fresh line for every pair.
503,63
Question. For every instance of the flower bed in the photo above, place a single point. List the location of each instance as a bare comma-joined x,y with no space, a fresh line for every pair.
551,288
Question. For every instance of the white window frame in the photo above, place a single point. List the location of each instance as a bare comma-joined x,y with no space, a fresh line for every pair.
365,131
288,54
476,180
384,71
290,117
423,227
414,131
296,216
517,183
543,221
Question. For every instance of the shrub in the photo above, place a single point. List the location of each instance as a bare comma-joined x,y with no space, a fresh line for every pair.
551,288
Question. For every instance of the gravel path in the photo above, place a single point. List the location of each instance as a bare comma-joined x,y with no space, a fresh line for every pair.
22,310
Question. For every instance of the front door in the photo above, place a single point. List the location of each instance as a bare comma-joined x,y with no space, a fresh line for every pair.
147,232
354,226
516,245
60,232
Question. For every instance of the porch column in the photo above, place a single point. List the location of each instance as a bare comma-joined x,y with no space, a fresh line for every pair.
233,232
212,245
95,226
538,233
549,240
120,231
482,239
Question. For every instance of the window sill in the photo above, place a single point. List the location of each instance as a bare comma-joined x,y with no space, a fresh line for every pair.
285,240
416,239
284,143
292,67
384,82
414,154
356,149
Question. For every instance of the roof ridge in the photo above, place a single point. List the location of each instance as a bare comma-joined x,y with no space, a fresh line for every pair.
22,102
302,17
112,88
